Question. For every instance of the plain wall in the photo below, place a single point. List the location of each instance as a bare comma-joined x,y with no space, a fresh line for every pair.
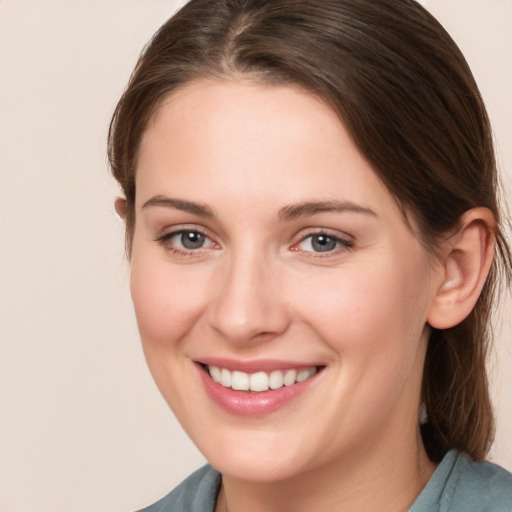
82,426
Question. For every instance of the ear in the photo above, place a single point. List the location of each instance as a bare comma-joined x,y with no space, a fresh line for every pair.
121,207
466,259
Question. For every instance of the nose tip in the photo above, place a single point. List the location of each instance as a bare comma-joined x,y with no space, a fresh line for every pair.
242,328
250,307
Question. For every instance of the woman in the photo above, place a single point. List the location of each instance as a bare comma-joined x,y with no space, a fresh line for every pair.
315,243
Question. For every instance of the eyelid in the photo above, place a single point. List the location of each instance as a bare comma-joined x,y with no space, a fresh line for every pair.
346,242
334,233
166,236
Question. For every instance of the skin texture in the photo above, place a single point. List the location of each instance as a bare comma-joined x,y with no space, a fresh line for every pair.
257,290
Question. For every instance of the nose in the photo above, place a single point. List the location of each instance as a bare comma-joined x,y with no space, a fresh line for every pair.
250,305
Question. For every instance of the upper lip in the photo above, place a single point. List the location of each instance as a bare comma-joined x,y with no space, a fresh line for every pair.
253,366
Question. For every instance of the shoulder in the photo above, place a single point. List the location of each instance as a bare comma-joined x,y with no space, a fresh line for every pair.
462,485
482,485
198,492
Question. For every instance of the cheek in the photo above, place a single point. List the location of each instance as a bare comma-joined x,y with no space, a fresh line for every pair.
375,313
168,304
167,300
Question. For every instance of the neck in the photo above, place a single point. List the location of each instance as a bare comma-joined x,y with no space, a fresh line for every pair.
382,479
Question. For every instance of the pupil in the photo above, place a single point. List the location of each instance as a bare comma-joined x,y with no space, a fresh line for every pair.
323,243
192,240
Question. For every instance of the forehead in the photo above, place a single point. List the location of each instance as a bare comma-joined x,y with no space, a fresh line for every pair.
233,112
217,139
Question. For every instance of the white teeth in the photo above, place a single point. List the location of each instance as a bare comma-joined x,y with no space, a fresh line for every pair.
290,377
276,380
303,375
259,381
225,378
240,381
215,373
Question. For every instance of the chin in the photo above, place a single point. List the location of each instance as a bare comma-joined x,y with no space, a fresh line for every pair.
259,457
258,470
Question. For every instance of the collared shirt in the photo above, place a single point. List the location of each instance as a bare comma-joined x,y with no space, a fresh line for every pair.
458,485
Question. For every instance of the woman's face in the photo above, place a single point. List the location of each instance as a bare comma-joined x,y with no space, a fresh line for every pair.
267,251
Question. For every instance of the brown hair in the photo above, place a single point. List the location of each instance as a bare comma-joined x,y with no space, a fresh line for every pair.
407,96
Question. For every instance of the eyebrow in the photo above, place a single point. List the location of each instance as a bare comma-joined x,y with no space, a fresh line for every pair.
179,204
296,211
287,213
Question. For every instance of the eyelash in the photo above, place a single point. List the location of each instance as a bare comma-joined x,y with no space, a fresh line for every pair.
165,242
341,244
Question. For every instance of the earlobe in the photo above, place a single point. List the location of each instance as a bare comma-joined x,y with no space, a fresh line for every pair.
121,207
466,261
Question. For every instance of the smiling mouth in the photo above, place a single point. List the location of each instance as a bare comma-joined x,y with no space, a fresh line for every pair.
260,381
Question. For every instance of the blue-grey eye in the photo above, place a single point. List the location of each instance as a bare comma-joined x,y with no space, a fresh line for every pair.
192,239
322,242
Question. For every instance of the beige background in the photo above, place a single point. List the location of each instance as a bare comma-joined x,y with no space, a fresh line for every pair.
82,426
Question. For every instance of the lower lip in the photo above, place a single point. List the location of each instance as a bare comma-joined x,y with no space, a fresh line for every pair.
248,403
